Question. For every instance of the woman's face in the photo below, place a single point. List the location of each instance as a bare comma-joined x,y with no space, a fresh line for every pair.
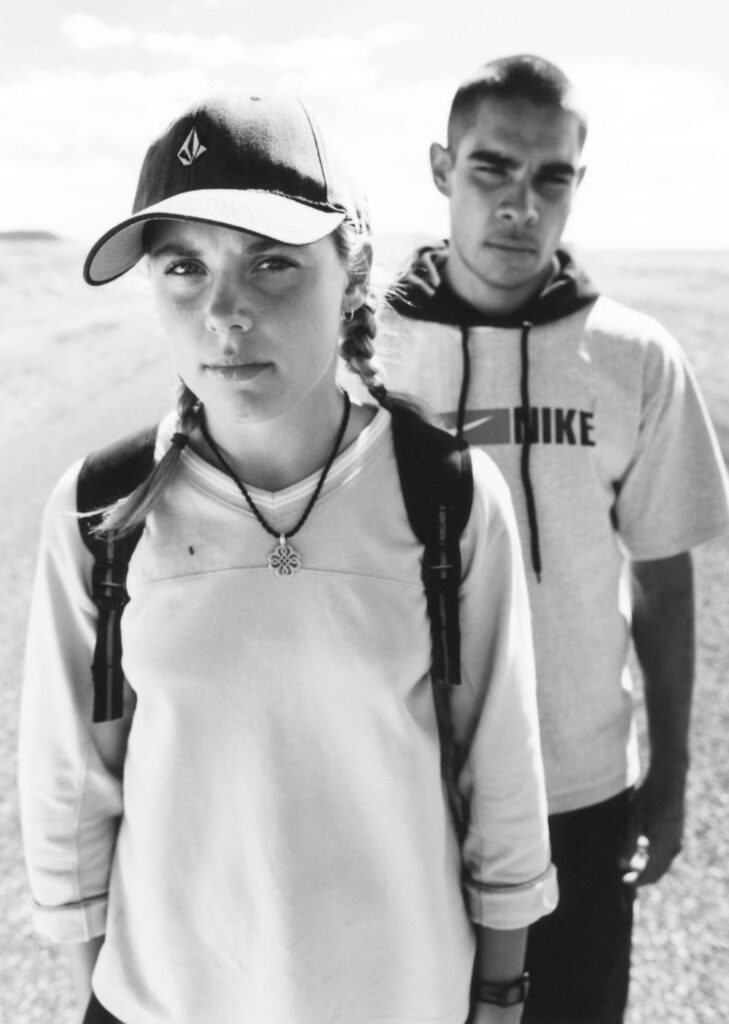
253,324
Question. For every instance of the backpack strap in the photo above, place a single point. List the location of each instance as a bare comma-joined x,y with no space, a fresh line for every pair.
105,477
437,486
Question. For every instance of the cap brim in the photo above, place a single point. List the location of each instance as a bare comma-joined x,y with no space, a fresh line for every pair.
262,213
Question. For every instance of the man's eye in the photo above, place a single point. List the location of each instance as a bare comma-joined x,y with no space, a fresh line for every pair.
555,180
491,170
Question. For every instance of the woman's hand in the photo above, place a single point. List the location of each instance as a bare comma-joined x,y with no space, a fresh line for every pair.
81,960
487,1013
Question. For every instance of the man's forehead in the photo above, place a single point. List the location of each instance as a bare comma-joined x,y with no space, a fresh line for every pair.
522,129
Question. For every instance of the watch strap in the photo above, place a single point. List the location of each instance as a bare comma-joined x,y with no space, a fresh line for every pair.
503,993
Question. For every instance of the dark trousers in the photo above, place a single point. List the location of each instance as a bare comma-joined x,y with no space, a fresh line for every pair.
579,956
96,1014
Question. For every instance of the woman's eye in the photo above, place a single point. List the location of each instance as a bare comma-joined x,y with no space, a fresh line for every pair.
275,263
183,268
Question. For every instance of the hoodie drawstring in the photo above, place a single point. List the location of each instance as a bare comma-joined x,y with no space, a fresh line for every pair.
465,382
526,444
526,436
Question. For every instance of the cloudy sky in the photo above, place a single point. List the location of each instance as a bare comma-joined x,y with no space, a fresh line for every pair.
86,84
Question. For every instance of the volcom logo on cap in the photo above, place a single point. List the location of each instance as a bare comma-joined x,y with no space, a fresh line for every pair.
191,149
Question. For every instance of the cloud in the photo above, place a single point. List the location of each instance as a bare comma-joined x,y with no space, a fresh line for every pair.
88,33
209,51
304,53
62,115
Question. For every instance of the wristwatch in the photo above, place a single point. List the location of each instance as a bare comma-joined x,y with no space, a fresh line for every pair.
503,993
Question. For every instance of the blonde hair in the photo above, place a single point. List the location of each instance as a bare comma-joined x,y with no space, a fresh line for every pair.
131,511
358,352
359,333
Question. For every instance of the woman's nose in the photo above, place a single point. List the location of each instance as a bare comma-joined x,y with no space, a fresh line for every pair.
228,310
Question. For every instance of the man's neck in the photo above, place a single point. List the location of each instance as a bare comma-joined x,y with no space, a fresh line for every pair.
492,300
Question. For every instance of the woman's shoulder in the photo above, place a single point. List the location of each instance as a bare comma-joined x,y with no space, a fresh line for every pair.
62,499
491,494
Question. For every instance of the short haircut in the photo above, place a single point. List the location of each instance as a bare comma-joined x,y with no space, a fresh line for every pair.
522,77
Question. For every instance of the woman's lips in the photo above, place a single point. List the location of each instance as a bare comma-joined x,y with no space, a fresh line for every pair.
237,371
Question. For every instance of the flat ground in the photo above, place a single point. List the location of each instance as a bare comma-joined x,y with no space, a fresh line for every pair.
81,366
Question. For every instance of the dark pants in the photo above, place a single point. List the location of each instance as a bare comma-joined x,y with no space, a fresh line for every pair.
579,956
96,1014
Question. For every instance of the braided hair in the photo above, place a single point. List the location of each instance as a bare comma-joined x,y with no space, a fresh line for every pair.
359,332
121,517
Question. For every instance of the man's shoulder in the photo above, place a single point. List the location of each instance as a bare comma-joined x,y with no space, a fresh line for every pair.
624,323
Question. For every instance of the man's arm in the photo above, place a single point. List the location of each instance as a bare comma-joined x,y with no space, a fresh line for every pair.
663,634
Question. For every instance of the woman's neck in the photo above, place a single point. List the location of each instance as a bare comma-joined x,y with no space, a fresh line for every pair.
280,452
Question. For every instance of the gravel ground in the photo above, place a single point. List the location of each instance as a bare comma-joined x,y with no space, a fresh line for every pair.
71,370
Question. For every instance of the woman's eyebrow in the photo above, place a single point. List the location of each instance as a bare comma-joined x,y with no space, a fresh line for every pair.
175,249
188,250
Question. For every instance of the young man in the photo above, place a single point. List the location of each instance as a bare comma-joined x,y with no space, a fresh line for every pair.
593,415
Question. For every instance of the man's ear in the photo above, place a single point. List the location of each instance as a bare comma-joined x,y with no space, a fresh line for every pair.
358,287
441,164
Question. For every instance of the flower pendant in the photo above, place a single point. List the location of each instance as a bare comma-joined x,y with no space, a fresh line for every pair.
284,560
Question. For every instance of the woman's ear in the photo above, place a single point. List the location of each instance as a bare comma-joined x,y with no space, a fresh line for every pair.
359,282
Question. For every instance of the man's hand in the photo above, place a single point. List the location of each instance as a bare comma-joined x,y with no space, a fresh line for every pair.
663,633
655,829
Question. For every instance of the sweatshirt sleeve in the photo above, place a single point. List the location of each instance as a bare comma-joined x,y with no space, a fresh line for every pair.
70,770
509,879
674,494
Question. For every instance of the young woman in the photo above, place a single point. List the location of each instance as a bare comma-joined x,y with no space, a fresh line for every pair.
264,835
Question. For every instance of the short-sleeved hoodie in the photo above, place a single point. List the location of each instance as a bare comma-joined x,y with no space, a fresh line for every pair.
619,459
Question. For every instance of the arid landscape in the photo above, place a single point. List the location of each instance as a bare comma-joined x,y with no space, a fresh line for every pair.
83,365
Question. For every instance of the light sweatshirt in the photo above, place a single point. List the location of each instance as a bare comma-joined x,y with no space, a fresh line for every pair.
272,842
622,464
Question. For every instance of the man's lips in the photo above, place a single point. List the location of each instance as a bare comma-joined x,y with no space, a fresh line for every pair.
512,245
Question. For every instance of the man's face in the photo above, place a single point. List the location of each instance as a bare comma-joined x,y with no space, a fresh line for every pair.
511,183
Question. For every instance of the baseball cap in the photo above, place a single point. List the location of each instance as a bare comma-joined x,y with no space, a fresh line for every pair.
257,163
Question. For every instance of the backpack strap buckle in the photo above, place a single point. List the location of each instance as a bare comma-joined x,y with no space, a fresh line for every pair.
109,585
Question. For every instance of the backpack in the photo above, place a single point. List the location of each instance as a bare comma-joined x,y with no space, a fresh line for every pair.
437,486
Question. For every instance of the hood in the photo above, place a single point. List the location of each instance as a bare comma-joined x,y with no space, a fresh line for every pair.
567,290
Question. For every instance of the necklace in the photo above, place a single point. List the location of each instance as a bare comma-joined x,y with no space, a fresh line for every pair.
284,560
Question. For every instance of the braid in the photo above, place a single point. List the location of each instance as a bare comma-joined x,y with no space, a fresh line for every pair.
121,517
358,333
358,348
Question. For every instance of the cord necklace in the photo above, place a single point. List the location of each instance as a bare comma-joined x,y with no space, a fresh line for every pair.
284,560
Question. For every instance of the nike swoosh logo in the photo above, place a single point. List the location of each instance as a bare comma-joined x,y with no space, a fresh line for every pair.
476,423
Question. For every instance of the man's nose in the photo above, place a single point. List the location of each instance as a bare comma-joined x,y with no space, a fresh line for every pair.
228,310
519,207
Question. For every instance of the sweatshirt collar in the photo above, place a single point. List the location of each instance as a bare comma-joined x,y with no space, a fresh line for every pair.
567,290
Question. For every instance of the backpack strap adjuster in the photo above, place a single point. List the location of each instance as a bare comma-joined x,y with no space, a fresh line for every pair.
109,585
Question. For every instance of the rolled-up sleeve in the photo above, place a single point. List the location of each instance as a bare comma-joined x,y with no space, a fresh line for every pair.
509,879
70,770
